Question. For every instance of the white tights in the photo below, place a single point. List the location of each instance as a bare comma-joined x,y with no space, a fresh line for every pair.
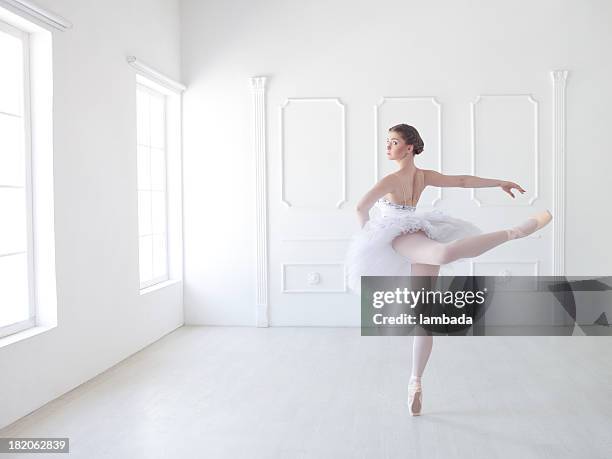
427,255
422,250
422,343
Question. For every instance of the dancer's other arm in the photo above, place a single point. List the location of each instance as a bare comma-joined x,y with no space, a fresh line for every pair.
434,178
384,186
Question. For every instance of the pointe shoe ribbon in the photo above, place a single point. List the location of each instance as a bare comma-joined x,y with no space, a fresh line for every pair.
415,398
531,225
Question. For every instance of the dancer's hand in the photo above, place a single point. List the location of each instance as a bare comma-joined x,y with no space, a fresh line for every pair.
507,187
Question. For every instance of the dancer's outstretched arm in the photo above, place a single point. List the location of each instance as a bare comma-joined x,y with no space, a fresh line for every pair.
434,178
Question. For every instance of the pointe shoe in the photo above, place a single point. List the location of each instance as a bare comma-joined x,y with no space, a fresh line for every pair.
415,398
531,225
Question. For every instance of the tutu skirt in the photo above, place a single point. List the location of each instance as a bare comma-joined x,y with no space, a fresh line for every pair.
370,252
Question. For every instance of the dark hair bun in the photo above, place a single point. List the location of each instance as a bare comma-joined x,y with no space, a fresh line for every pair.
411,137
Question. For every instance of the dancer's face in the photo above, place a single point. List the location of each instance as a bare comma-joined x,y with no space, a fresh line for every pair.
396,147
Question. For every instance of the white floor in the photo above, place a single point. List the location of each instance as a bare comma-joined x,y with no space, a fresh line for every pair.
225,392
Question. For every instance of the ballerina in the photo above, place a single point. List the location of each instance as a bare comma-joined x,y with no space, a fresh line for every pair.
405,241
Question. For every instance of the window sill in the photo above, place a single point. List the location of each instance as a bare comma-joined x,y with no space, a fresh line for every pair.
24,334
159,286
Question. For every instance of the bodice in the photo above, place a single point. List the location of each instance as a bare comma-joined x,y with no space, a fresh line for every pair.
388,208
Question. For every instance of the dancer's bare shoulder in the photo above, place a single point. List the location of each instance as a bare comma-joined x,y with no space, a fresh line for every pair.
434,178
401,176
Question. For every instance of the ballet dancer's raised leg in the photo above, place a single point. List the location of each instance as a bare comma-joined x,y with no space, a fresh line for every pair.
420,249
422,343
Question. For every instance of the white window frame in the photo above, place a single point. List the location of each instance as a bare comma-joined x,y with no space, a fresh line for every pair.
163,278
33,28
173,90
29,251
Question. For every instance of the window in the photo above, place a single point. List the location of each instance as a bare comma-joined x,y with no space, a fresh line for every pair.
28,289
152,196
17,305
158,179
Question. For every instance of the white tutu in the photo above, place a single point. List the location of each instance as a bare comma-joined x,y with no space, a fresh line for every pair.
370,252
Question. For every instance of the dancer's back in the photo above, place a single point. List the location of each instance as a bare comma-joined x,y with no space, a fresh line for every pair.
410,186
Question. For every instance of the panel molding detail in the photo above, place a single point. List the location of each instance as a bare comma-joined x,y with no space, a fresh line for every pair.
505,272
314,277
559,79
343,139
536,130
438,108
258,90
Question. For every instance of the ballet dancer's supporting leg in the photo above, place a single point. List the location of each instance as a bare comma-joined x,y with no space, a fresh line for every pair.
422,343
420,249
421,350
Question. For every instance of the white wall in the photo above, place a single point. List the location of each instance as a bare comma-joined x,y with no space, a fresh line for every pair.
102,319
360,51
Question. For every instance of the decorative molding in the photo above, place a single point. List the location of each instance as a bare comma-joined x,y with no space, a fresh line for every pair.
282,143
258,83
258,88
313,277
30,9
506,272
536,130
559,78
156,76
437,105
